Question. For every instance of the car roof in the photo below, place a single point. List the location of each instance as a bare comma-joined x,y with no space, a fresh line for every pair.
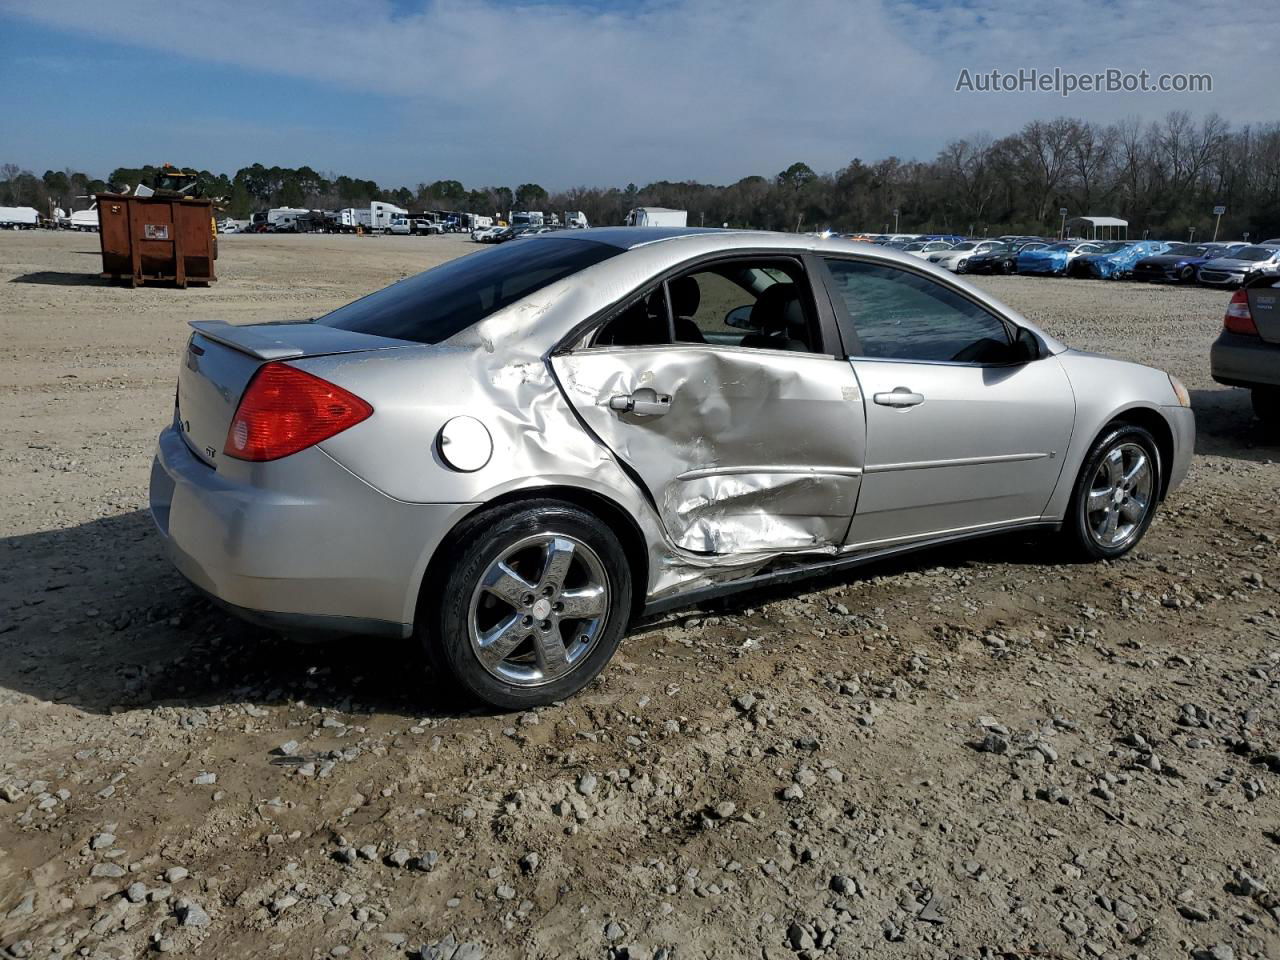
650,251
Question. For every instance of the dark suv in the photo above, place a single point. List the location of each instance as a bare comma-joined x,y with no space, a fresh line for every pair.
1247,352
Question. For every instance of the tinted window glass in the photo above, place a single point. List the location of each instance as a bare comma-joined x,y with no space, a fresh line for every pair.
900,315
435,305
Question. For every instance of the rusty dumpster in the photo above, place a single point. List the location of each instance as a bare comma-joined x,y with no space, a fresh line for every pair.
145,239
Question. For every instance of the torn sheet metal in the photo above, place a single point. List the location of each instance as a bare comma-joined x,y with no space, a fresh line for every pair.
754,450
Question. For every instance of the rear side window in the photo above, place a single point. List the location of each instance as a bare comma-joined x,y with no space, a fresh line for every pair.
433,306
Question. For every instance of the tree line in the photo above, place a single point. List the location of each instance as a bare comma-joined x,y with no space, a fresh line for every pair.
1163,176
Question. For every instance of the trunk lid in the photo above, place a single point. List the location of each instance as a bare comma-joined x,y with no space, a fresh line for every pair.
221,359
1264,305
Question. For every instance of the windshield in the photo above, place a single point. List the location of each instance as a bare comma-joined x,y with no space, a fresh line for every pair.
1062,246
433,306
967,245
1255,253
1185,250
1113,247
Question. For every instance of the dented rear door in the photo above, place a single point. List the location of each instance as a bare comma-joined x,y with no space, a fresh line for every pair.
742,450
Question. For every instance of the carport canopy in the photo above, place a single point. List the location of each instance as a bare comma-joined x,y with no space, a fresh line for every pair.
1099,228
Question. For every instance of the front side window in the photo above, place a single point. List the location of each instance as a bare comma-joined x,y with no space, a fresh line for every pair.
432,306
900,315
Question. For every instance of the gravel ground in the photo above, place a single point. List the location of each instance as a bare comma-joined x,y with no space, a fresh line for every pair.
972,753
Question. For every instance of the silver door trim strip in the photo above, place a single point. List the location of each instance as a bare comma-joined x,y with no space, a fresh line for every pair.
958,462
932,534
731,471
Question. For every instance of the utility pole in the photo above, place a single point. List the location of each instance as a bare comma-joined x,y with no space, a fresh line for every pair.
895,219
1191,235
1062,230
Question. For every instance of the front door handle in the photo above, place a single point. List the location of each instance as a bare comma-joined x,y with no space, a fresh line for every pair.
643,403
899,397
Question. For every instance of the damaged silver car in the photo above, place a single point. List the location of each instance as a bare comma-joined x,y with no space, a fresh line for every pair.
518,453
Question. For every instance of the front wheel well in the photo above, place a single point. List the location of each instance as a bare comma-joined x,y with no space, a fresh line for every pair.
1156,425
610,512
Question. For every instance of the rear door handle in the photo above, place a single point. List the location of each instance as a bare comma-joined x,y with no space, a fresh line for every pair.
899,397
643,403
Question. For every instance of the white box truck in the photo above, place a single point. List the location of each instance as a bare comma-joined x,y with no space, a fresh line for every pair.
19,218
657,217
351,217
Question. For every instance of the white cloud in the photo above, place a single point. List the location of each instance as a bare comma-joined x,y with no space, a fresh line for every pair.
708,89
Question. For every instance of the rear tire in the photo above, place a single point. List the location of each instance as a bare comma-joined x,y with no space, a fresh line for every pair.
1114,499
1266,404
504,627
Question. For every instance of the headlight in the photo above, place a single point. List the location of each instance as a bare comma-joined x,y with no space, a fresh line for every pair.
1179,391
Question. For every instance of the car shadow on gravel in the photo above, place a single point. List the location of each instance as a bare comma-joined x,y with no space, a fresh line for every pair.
59,278
1226,427
95,617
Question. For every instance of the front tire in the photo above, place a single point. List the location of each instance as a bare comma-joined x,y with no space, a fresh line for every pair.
1114,499
533,606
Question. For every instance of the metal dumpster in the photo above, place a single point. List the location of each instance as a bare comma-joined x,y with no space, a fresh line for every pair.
157,238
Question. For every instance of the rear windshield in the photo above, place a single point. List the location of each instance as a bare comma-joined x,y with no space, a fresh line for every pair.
433,306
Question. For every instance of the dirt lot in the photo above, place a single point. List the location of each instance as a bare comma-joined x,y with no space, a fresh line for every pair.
798,777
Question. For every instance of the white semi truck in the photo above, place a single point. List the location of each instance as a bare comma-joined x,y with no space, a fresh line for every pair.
381,214
657,217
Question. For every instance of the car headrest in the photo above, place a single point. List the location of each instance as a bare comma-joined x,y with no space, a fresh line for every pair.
778,309
685,296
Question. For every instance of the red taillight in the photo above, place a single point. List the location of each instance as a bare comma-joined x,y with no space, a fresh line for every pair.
1238,318
285,410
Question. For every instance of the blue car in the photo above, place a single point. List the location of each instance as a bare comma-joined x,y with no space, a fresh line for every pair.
1178,264
1052,260
1115,259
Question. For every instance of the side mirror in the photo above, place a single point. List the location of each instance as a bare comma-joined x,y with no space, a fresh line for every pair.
1026,346
739,317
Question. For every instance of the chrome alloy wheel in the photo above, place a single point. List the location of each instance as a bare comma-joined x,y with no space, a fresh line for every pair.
539,609
1120,496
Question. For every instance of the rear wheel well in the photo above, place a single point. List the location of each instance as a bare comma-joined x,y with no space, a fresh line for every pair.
1159,428
617,518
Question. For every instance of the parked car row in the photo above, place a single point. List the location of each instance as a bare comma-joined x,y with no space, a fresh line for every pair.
1227,264
514,232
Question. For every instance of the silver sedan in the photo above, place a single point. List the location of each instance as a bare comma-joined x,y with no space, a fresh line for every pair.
515,455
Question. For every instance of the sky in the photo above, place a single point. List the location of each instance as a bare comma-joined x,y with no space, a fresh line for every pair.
586,93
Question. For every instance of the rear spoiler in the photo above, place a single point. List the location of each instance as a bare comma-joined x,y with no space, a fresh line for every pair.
251,340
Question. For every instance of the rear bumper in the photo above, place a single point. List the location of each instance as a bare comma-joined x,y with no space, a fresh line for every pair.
307,547
1242,361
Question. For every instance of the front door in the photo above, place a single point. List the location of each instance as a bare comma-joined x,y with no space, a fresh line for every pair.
960,434
717,394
